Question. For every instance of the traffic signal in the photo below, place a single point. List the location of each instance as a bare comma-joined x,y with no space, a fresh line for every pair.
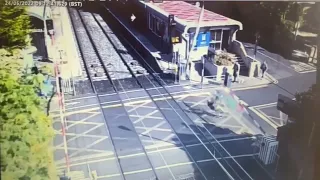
288,106
171,20
175,40
49,24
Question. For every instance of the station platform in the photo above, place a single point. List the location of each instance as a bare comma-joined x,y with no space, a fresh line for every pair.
63,46
164,61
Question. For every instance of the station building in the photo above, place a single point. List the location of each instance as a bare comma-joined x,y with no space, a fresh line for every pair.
216,31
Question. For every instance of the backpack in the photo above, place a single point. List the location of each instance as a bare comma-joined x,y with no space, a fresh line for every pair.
263,66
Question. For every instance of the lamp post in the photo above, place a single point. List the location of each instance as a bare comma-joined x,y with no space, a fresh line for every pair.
202,72
256,44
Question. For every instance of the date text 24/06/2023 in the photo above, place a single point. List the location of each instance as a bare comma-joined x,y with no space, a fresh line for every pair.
43,3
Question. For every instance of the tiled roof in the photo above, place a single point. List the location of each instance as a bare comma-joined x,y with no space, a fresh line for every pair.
188,12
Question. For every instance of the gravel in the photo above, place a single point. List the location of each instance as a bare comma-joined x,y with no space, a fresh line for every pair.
133,63
89,55
109,56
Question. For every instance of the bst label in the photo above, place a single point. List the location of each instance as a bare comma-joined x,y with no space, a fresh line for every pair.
42,3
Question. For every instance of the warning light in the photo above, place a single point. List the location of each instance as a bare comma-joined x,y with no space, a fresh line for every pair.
175,40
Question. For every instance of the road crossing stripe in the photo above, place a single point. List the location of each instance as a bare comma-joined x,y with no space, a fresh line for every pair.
161,167
131,103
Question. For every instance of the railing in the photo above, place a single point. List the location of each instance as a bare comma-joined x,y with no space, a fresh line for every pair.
251,63
68,86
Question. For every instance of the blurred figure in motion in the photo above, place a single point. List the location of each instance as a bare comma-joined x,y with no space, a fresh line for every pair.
214,101
235,71
264,68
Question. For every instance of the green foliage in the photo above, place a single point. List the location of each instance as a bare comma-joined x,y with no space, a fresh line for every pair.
312,20
15,25
309,102
11,61
26,132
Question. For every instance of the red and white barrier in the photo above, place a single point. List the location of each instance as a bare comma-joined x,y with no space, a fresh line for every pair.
62,109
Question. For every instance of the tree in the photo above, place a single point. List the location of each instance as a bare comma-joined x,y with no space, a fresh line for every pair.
26,132
312,18
15,25
309,102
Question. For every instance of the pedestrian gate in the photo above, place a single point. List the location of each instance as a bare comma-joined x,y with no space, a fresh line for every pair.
68,86
268,149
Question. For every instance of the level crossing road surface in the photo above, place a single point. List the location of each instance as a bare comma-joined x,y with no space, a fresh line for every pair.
174,151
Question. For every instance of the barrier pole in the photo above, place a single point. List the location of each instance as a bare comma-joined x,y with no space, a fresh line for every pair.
62,116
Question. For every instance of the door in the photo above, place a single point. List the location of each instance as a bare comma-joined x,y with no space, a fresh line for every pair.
225,39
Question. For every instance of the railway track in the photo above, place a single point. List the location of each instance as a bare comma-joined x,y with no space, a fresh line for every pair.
157,85
104,67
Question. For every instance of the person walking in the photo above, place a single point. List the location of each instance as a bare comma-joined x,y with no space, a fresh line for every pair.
235,71
264,68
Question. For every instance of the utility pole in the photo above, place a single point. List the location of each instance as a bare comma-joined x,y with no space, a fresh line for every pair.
256,44
202,72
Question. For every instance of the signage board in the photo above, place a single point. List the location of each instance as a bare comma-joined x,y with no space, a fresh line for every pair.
287,105
203,39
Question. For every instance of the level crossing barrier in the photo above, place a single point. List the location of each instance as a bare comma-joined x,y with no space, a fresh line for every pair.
60,96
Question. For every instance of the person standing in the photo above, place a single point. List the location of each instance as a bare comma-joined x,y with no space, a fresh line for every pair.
264,68
235,71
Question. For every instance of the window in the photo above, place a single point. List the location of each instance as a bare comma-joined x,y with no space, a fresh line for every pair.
150,21
156,25
204,37
216,39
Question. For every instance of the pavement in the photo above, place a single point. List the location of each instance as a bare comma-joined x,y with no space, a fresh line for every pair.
279,67
261,102
65,47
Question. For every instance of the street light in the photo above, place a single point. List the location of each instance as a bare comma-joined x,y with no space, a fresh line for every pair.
256,44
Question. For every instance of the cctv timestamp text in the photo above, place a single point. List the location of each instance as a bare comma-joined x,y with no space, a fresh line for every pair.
42,3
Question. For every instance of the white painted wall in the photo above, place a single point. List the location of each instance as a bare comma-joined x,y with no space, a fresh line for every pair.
219,71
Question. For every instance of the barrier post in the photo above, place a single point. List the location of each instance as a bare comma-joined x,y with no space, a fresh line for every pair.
61,104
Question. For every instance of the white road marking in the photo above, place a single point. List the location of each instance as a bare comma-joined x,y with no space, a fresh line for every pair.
247,88
304,72
145,116
71,103
161,167
153,128
156,129
263,117
264,105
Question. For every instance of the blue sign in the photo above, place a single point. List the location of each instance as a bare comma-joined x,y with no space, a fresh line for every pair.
203,39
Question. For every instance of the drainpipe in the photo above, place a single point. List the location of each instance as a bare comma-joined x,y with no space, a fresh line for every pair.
45,29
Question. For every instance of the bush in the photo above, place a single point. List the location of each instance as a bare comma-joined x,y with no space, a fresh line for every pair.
15,26
26,131
223,59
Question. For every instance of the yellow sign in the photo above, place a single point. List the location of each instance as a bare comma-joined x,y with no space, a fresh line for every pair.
175,39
